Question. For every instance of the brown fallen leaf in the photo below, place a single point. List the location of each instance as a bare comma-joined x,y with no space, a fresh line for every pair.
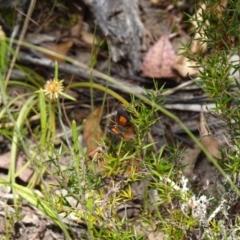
189,160
208,177
92,132
182,65
207,140
159,60
169,134
61,48
88,38
76,29
132,166
5,160
157,235
185,67
98,162
189,68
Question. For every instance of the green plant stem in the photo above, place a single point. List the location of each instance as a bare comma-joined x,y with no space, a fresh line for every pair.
175,118
26,108
101,88
34,199
10,103
76,145
52,121
143,98
21,85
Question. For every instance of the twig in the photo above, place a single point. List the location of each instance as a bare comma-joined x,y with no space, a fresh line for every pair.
190,107
172,90
78,71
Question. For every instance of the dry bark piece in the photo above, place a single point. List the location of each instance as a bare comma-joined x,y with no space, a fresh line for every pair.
122,26
159,59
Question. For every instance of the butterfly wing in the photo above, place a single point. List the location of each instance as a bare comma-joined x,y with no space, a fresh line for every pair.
125,124
123,128
122,117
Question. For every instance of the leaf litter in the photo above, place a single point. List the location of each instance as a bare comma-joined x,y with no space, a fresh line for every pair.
159,62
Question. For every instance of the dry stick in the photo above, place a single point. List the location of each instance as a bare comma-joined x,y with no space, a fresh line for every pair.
172,90
78,71
81,72
23,32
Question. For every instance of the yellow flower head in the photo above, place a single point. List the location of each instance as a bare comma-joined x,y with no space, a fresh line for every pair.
53,88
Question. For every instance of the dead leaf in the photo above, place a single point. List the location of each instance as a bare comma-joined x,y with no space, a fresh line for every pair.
197,45
203,127
98,162
76,29
184,67
5,161
132,166
61,48
83,56
27,173
189,68
92,132
31,218
207,140
88,38
189,160
169,134
157,236
159,60
155,2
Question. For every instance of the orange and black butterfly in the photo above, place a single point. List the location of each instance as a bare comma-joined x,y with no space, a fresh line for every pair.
123,128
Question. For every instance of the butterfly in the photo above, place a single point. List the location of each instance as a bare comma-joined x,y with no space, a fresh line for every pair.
123,128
